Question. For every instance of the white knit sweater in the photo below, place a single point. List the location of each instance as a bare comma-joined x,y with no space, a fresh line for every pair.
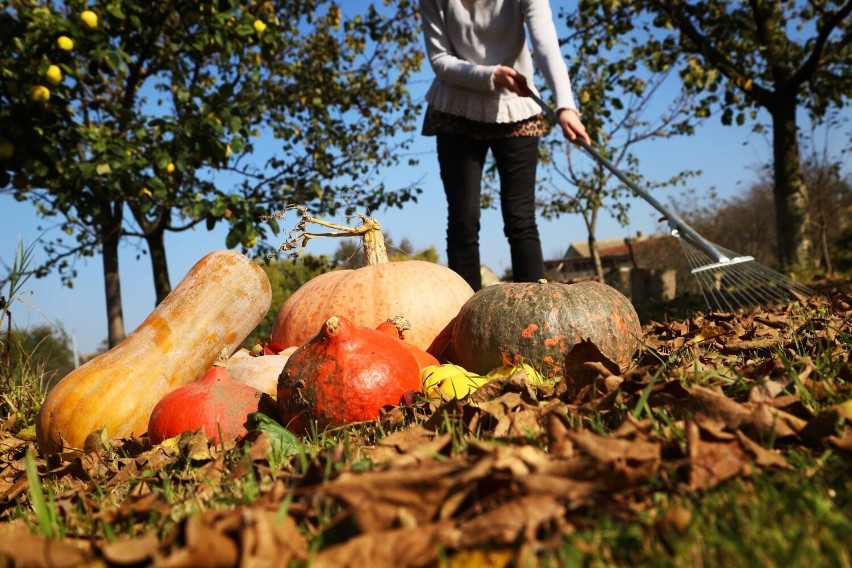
467,39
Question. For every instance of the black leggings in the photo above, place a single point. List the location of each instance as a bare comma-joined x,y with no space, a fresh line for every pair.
462,160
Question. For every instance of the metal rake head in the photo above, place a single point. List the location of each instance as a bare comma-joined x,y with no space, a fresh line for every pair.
732,282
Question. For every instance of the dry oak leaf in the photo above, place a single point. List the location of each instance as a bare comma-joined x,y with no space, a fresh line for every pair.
409,547
409,447
126,551
385,499
512,522
621,463
266,539
714,461
19,547
584,366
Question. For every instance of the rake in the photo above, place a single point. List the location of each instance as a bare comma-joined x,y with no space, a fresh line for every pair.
728,281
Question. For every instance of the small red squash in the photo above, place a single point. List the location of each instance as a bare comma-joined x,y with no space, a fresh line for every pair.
216,402
539,322
345,374
428,294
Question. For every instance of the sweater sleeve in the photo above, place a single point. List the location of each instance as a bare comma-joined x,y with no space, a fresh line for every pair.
548,56
446,65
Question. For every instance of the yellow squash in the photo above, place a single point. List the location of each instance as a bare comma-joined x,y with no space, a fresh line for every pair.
217,304
449,381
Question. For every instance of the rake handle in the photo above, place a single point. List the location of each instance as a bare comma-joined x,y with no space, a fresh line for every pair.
675,222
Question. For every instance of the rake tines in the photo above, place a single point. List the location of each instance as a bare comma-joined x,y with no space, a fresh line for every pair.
729,280
737,281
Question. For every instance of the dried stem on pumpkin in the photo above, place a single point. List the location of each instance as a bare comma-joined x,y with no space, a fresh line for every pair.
369,231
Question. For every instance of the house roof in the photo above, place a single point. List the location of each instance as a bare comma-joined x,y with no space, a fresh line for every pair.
580,249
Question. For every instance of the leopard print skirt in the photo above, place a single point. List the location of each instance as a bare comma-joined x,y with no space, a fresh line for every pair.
437,122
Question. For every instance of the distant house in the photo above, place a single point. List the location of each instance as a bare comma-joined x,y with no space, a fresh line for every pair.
642,267
577,262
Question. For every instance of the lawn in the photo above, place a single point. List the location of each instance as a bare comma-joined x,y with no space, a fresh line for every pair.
726,443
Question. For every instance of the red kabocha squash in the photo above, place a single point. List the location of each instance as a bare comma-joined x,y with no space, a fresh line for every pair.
216,306
216,402
345,374
396,327
539,322
428,294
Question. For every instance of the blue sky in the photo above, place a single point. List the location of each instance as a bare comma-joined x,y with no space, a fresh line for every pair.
728,157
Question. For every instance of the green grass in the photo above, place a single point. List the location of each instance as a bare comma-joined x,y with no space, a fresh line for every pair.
792,518
795,518
801,516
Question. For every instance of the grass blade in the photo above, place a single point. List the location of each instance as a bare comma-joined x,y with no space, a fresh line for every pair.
39,502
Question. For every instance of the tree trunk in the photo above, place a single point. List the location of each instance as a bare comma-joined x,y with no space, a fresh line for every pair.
112,280
792,208
154,231
159,266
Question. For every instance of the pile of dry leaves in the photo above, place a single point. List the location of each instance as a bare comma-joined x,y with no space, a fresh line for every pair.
500,477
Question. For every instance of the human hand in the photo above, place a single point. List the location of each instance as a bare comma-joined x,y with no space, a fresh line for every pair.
572,126
507,78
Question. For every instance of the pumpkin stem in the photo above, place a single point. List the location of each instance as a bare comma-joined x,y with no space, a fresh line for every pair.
369,231
400,323
332,324
222,359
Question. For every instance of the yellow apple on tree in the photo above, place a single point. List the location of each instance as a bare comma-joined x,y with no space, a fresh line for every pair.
89,18
65,43
53,75
259,26
39,94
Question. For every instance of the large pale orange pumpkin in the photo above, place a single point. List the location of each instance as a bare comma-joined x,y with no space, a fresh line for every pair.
428,295
217,304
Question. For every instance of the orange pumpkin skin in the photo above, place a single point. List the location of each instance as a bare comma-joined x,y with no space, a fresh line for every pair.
345,374
397,328
216,402
428,294
216,306
539,322
441,347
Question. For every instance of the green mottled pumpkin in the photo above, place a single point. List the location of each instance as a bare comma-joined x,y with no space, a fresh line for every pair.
539,322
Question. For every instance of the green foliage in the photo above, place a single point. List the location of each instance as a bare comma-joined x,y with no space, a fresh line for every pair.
745,55
157,99
168,116
736,58
794,518
616,89
746,222
25,356
42,350
286,276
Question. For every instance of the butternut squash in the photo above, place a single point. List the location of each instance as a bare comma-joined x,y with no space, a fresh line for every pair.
217,304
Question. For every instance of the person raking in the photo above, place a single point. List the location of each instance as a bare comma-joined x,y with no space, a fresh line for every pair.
476,103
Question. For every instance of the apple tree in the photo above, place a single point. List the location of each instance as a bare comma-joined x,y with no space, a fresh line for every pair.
740,57
130,120
618,94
